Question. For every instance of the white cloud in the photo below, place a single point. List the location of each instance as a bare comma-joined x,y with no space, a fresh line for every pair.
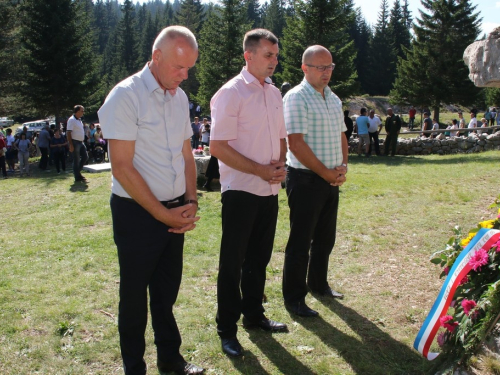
498,4
488,27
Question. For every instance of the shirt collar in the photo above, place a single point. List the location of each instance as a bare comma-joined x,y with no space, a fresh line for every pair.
150,81
249,77
312,90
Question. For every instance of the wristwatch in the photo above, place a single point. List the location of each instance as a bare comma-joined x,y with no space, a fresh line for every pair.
344,165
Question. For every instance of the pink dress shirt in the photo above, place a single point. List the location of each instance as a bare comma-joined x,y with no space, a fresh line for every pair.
250,117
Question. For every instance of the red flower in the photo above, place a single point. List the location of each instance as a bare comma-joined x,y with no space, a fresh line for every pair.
468,305
479,259
448,323
498,246
464,280
446,270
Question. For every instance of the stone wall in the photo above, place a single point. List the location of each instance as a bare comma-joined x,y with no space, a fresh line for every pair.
441,144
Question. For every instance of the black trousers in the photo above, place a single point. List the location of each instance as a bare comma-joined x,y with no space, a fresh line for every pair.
391,143
44,160
313,223
374,139
248,228
149,257
59,160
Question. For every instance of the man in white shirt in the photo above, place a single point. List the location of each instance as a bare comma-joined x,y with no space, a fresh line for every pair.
373,130
472,122
76,135
153,203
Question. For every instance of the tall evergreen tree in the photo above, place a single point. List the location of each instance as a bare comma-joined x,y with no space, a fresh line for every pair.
398,31
253,12
323,22
10,70
407,15
360,32
128,40
190,15
433,71
147,39
57,52
273,17
221,54
382,56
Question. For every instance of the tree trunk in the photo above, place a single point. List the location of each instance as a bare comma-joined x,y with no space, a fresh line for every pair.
436,113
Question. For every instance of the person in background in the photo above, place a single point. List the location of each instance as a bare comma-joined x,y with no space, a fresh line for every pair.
205,133
392,128
349,124
493,114
363,125
58,145
411,114
435,126
23,146
472,122
454,128
373,132
461,124
427,125
75,134
484,124
196,128
10,155
3,150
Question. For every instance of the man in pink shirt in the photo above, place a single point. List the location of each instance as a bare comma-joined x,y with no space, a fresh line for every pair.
248,137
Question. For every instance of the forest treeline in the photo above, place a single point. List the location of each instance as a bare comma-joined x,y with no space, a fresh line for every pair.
54,54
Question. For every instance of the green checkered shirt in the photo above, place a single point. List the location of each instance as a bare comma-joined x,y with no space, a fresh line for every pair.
320,120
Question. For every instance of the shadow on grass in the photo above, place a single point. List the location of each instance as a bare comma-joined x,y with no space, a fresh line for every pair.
400,160
249,364
79,186
277,354
374,352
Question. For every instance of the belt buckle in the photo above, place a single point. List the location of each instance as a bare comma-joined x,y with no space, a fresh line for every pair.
173,204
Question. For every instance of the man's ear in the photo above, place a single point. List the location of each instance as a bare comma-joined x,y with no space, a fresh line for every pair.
247,55
304,68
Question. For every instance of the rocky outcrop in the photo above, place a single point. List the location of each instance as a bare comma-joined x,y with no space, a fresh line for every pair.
441,145
483,59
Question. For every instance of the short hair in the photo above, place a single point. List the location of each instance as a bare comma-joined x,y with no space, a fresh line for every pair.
311,51
252,39
205,119
346,112
171,33
372,110
21,135
77,107
8,131
362,110
196,118
454,121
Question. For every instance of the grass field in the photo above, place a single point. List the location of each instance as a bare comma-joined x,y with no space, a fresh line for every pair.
59,273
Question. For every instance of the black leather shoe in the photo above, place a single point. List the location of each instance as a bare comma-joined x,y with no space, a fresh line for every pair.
329,292
232,347
301,309
180,368
265,324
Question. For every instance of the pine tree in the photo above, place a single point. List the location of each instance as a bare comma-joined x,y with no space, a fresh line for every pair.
57,56
433,71
323,22
382,55
492,96
398,31
190,15
360,32
128,40
147,39
221,54
253,12
273,17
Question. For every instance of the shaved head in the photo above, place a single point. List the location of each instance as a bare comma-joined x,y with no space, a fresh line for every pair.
170,34
310,52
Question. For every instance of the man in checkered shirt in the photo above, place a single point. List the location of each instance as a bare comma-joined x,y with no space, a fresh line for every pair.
317,165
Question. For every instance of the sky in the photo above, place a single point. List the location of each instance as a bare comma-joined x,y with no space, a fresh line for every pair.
489,10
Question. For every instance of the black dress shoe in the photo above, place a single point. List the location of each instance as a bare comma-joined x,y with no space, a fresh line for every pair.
329,292
232,347
180,368
301,309
265,324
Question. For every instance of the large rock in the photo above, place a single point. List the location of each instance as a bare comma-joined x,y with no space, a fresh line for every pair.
483,59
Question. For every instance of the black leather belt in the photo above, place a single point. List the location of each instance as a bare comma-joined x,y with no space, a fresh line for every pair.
173,203
301,170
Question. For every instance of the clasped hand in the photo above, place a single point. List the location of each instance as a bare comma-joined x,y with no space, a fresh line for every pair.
274,173
338,176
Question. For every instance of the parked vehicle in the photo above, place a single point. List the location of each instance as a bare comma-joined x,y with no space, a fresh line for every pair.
5,122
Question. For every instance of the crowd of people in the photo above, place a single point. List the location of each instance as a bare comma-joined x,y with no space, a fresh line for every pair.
53,146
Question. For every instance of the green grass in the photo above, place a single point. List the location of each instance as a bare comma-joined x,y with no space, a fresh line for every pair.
59,273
